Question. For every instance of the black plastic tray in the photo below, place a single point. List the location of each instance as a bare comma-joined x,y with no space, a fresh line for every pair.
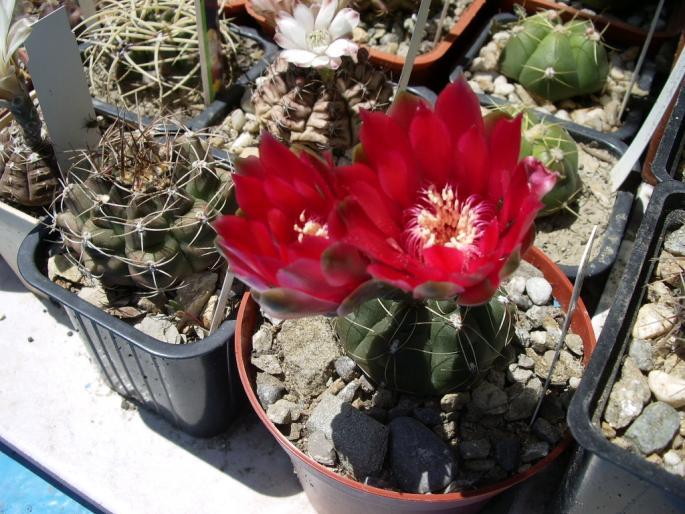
635,113
189,385
602,476
218,109
670,150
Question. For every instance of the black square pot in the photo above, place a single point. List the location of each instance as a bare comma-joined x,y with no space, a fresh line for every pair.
193,386
670,149
219,108
602,476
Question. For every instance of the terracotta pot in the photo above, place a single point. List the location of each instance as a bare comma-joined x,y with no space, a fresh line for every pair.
232,8
423,62
334,494
616,30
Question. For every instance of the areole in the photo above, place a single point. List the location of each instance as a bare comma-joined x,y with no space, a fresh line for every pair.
334,494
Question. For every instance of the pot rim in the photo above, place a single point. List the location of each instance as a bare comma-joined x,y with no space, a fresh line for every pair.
395,62
561,287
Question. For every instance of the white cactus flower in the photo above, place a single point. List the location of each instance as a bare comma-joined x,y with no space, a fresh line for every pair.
315,37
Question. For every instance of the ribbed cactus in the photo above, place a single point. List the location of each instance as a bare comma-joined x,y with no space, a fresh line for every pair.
139,211
429,347
555,60
298,106
551,144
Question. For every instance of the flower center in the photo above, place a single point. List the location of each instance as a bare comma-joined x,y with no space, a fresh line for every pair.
442,219
309,227
319,39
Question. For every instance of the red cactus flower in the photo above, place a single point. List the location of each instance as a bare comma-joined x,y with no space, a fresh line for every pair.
438,200
283,243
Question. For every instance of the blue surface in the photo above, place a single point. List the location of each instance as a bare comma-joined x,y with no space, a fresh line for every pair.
24,491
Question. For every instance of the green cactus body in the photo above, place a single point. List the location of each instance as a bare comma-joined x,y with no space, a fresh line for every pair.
140,214
552,145
430,347
555,60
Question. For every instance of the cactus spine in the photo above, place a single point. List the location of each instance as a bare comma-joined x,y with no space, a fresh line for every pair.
555,60
139,211
431,347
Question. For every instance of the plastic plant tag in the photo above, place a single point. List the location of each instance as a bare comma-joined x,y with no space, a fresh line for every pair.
208,39
60,84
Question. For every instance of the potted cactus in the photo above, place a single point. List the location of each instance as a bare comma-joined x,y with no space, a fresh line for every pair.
407,246
28,170
135,218
311,95
144,56
562,68
386,26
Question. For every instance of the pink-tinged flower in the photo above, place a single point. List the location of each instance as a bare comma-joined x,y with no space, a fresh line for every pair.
315,36
283,243
438,200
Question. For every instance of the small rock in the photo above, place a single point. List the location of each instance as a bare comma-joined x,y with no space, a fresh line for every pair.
539,290
366,384
479,464
653,320
359,440
268,363
244,140
518,374
428,416
96,296
522,404
446,431
503,88
195,291
641,352
269,389
238,119
294,431
160,328
673,463
309,351
574,343
476,449
507,453
534,451
670,268
545,430
525,362
321,449
420,461
654,428
574,382
538,341
627,397
521,301
537,314
382,398
454,401
262,339
345,368
489,399
283,412
60,266
359,35
347,393
675,242
667,388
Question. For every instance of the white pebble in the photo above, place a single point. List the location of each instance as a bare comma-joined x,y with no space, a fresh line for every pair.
667,388
539,290
653,320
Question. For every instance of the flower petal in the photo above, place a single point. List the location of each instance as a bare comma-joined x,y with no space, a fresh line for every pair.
343,23
341,47
430,141
291,30
304,17
325,14
459,109
299,57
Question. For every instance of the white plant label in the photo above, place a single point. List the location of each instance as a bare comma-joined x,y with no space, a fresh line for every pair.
60,84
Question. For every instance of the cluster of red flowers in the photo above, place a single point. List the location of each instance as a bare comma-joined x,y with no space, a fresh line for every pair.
437,204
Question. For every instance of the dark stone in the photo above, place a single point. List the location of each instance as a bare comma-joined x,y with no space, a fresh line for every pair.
420,461
507,453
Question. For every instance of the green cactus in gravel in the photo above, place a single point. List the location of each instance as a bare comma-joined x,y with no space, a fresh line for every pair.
552,145
430,347
555,60
138,212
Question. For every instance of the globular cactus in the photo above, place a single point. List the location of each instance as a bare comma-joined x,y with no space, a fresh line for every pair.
555,60
298,106
429,347
150,51
28,175
552,145
139,211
